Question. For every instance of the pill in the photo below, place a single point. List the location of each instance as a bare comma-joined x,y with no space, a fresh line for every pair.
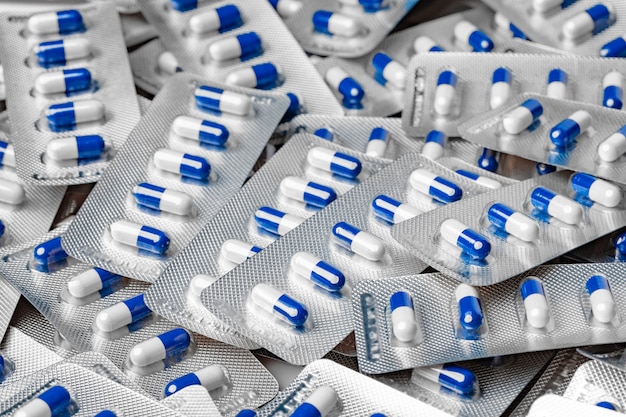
544,169
480,179
49,252
322,132
613,84
106,413
468,34
76,147
319,404
608,405
535,303
248,412
11,192
386,70
122,314
238,251
372,6
505,25
334,162
513,222
445,93
565,133
140,236
53,402
378,415
590,22
210,377
91,281
198,283
434,144
439,188
601,299
500,87
275,221
286,8
279,304
163,346
217,100
377,142
319,272
557,84
348,87
614,146
332,23
543,6
220,20
257,76
455,378
471,242
391,210
56,23
403,323
243,46
185,5
423,44
488,160
522,117
597,190
204,131
61,51
358,241
7,155
556,205
162,199
167,63
615,48
309,192
470,307
296,104
66,81
65,116
187,165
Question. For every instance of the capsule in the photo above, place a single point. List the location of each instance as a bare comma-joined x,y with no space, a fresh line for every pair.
309,192
66,116
388,71
76,147
238,251
556,205
336,163
204,131
470,308
597,190
140,236
187,165
425,44
500,87
7,155
613,94
319,404
49,252
167,63
608,405
243,46
522,117
220,20
488,160
11,192
319,272
391,210
296,106
543,6
479,179
434,144
286,8
535,303
445,93
61,51
468,34
66,81
163,346
210,377
565,133
471,242
506,26
122,314
590,22
459,380
257,76
332,23
614,146
275,221
185,5
601,299
323,133
557,84
279,304
544,169
106,413
403,323
615,48
162,199
91,281
437,187
377,142
348,87
513,222
53,402
358,241
62,22
215,99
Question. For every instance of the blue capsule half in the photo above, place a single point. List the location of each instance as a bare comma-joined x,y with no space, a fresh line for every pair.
502,75
380,61
322,132
352,93
266,74
322,271
488,160
470,307
212,133
615,48
275,221
607,405
620,245
6,154
106,413
295,106
469,240
595,283
437,137
78,79
184,5
544,169
2,228
246,412
480,42
59,52
498,214
457,379
137,307
447,78
557,75
541,198
385,208
146,240
70,21
613,95
74,80
372,6
49,252
175,342
379,133
2,366
601,17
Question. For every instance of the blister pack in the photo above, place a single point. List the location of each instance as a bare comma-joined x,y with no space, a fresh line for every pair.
9,297
192,401
550,307
136,29
572,135
551,405
181,165
123,6
598,384
152,66
72,98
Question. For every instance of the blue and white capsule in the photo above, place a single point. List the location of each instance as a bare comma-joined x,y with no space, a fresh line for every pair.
403,323
67,81
323,133
522,117
500,87
472,243
53,402
238,251
614,146
480,179
275,221
434,144
590,22
221,19
159,198
505,25
613,93
75,147
279,304
309,192
377,142
535,303
206,132
62,51
49,252
11,192
7,155
423,44
140,236
122,314
67,116
601,299
597,190
386,70
392,211
544,169
557,84
217,100
513,222
556,205
161,347
336,24
319,272
565,133
351,91
184,164
336,163
470,308
92,281
459,380
359,242
445,93
615,48
242,47
543,6
439,188
488,160
264,75
468,34
62,22
286,8
210,377
320,403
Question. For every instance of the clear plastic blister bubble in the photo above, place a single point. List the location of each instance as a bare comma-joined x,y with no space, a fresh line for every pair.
533,307
598,304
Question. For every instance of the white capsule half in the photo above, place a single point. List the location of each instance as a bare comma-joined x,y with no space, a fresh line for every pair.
238,251
11,192
199,283
614,146
425,44
167,63
319,404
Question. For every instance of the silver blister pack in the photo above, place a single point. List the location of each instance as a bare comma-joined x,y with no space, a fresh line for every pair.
193,401
123,6
595,382
601,250
105,106
504,326
126,194
152,66
9,297
194,49
136,29
588,152
551,405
